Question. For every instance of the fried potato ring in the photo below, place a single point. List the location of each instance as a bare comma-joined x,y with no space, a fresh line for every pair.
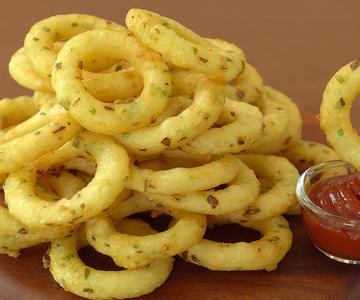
24,74
183,47
244,130
16,110
338,98
263,254
131,251
19,151
293,132
74,276
178,130
279,198
247,87
184,82
121,84
48,111
109,180
238,194
184,180
39,42
305,154
114,118
15,236
275,125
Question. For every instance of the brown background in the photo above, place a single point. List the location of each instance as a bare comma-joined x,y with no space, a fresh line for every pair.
296,46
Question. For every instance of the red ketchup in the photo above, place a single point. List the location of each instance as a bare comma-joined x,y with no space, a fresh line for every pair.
339,196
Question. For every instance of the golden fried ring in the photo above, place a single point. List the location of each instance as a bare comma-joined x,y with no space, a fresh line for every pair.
39,42
184,180
111,173
23,73
74,276
263,254
15,110
183,47
19,151
305,154
247,87
48,111
131,251
114,118
238,194
244,130
280,197
293,132
15,236
184,82
338,98
275,125
178,130
121,84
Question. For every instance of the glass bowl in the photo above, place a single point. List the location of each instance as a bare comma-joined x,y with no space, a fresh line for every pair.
335,236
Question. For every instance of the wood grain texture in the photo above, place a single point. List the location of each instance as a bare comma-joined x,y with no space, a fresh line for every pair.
296,46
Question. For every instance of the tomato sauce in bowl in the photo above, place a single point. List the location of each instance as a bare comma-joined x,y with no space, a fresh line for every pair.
329,194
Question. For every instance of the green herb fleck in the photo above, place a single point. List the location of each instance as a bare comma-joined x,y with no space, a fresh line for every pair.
65,104
23,231
340,79
340,132
92,110
203,60
87,273
355,64
58,65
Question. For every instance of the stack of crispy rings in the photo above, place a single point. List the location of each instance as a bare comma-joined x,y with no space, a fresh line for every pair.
335,120
74,276
264,253
132,251
178,130
191,51
195,179
111,173
111,118
25,142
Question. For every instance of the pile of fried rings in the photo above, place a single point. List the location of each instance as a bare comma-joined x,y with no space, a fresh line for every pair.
151,117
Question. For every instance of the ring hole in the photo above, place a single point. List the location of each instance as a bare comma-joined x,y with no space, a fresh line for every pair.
232,233
265,184
112,81
159,222
64,180
96,260
2,198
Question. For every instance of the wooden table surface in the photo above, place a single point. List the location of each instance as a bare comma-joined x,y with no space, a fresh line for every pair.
296,46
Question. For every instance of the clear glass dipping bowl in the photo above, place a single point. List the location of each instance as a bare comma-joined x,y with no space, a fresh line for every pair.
337,237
